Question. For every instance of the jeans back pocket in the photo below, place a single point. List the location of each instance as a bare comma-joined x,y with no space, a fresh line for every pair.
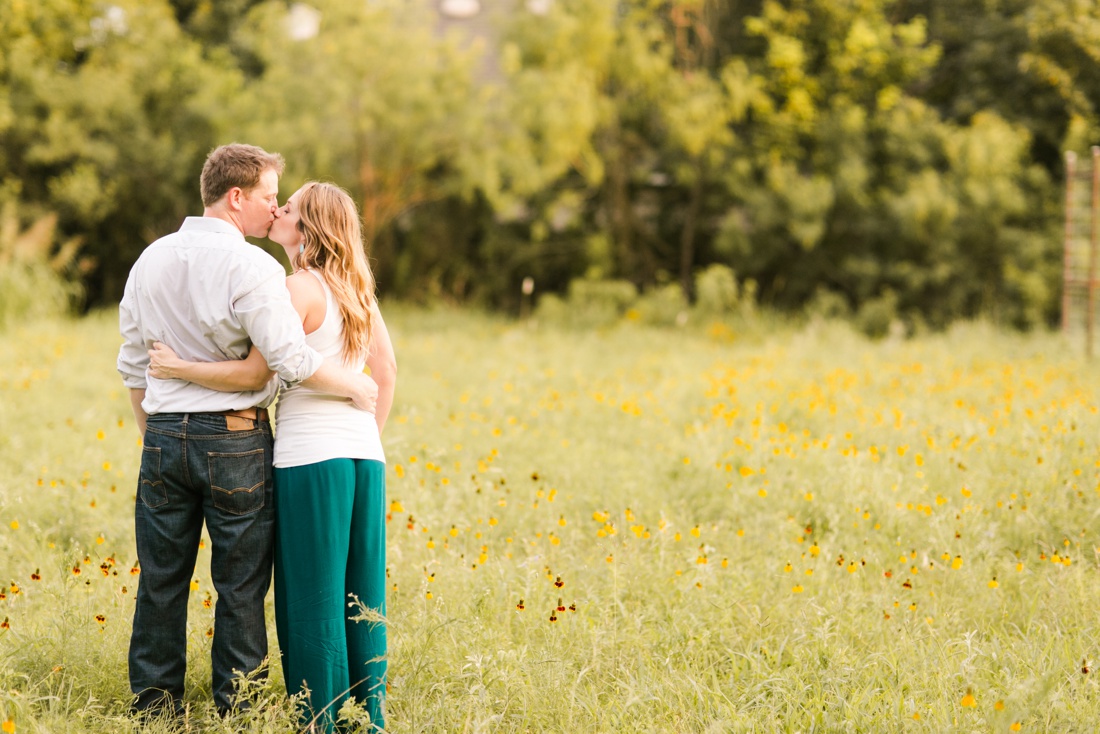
151,487
237,480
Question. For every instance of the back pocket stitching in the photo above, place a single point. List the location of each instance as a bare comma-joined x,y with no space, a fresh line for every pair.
152,485
211,456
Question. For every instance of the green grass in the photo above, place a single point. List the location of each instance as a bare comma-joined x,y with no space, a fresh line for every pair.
737,516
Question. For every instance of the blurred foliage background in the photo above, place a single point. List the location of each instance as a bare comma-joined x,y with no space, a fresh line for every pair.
892,161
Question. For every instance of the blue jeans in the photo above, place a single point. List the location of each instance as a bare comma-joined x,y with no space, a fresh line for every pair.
194,469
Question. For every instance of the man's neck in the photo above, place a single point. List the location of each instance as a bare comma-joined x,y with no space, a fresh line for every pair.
225,216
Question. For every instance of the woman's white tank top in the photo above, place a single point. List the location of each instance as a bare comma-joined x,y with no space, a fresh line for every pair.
311,426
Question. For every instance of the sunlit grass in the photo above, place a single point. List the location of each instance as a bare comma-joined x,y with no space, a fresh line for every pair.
716,529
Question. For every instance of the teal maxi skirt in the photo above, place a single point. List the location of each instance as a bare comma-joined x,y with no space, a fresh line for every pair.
330,549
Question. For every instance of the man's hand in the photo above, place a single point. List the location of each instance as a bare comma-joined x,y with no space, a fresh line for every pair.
366,395
337,380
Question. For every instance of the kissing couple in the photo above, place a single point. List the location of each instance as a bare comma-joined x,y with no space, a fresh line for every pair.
213,330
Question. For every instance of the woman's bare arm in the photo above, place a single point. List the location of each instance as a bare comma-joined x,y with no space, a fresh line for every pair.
238,375
383,368
235,375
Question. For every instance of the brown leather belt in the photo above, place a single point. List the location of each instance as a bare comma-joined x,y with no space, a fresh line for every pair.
252,414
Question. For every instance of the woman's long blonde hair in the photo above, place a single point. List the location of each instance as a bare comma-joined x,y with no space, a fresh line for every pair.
333,238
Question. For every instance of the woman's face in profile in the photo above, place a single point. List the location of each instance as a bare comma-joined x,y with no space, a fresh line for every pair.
284,230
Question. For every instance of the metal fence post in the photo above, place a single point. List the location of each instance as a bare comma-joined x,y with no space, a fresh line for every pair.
1067,244
1094,242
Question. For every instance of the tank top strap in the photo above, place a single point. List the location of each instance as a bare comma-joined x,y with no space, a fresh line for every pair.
324,284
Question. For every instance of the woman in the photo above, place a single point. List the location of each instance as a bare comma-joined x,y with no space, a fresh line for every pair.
329,466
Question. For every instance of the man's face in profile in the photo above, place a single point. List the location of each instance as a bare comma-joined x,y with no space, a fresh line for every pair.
259,204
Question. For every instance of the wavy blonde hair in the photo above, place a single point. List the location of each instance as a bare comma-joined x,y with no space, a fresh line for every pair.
333,237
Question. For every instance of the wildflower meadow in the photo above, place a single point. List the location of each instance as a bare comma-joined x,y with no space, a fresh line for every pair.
716,528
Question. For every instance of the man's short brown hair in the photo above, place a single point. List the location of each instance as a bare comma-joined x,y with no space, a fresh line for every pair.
237,165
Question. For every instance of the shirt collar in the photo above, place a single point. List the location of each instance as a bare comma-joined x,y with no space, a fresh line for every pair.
210,224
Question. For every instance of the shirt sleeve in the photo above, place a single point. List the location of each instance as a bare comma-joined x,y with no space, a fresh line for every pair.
133,355
275,328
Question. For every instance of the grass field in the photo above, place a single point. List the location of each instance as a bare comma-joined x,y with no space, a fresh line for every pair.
631,530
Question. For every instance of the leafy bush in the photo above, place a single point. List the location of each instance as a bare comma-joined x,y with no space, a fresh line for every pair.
716,290
878,316
828,305
590,303
663,306
34,284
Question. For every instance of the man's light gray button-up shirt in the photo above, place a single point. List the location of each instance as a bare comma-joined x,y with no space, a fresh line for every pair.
209,295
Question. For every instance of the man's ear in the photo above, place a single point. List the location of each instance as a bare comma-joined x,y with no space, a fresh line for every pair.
234,198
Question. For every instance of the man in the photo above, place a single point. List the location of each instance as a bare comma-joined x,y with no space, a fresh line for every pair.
207,455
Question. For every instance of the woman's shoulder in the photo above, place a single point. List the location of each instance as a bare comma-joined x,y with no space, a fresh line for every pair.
305,282
305,288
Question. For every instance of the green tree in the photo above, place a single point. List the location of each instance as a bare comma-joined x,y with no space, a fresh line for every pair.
370,100
212,23
1063,57
1036,62
110,111
896,155
854,184
623,134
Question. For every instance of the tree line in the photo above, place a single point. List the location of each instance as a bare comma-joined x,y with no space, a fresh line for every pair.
902,157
